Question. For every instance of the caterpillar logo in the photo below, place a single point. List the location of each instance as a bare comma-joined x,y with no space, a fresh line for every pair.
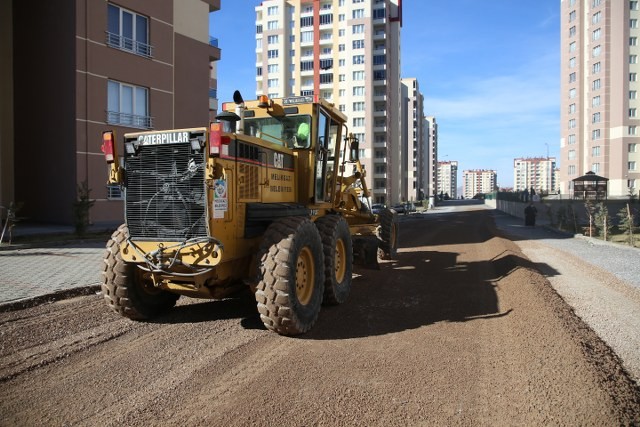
278,160
163,138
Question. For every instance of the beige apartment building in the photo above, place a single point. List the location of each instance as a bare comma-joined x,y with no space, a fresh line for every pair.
431,132
479,181
600,106
348,52
448,179
538,173
416,174
71,70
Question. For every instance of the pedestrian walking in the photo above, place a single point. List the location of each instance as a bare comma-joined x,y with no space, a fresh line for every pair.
530,213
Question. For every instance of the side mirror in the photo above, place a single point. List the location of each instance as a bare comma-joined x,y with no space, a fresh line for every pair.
353,149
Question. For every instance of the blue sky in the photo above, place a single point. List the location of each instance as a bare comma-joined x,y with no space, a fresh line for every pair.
489,72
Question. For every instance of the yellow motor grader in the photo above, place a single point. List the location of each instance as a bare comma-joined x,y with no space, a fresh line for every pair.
271,195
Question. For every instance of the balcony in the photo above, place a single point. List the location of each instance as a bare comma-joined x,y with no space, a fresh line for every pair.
117,41
214,5
214,50
129,120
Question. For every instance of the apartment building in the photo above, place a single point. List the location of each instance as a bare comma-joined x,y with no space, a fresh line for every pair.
415,178
600,106
538,173
348,52
479,181
448,179
81,67
431,131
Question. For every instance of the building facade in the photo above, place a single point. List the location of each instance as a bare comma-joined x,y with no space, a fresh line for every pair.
126,65
448,179
415,179
431,132
538,173
600,105
479,181
348,53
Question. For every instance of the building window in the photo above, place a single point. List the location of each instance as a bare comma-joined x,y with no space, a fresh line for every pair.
379,74
632,131
273,53
572,31
632,165
358,44
326,78
596,17
128,31
595,3
572,108
595,167
633,41
572,123
572,169
595,134
358,106
633,23
595,118
326,19
271,83
357,13
595,35
341,17
595,101
272,10
571,139
326,64
595,85
358,91
272,68
572,77
306,21
358,59
572,16
358,122
572,62
633,59
572,47
258,71
595,151
632,112
357,29
272,25
596,68
572,93
633,148
633,94
128,105
306,37
272,39
571,155
258,29
633,5
596,51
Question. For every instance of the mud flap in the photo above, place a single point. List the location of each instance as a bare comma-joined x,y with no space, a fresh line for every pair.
365,252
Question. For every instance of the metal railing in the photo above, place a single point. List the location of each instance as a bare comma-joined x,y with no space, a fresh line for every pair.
123,43
129,120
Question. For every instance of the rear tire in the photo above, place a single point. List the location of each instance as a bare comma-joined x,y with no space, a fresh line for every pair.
338,258
388,234
123,287
291,280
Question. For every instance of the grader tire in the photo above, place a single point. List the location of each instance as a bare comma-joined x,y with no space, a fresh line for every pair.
388,234
124,289
291,279
338,258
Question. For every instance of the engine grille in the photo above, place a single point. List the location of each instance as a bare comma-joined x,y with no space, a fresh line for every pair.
165,195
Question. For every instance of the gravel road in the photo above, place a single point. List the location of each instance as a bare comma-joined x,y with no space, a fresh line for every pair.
463,329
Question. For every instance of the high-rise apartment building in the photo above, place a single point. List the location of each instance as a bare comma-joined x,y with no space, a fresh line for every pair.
479,181
537,173
82,67
431,132
415,182
347,52
448,179
600,106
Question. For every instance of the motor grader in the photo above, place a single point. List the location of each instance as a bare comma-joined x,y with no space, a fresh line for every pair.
271,195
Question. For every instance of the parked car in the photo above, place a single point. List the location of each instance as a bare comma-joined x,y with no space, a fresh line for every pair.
376,208
400,208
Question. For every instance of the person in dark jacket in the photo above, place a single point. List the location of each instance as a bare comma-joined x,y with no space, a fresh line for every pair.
530,213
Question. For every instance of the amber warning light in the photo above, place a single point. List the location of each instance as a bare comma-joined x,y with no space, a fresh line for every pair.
107,146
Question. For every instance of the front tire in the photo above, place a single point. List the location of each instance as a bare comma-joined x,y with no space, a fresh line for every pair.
338,258
388,234
291,280
125,290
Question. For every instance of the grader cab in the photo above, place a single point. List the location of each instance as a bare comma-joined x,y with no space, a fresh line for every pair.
272,196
